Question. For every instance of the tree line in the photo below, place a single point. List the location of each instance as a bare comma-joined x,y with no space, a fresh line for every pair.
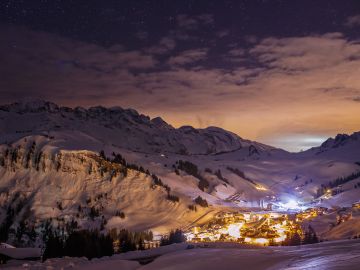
336,183
94,244
192,169
295,239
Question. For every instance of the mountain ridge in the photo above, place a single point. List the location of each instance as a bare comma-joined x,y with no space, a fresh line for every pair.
43,106
156,133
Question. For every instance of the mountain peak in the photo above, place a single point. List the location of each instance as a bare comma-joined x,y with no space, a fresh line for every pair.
339,140
30,105
160,123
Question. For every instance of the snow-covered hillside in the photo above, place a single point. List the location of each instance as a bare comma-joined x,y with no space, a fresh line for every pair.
49,161
40,182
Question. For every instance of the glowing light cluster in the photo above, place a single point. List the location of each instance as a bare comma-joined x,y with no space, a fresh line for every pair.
290,204
309,214
280,239
234,230
260,187
262,241
249,228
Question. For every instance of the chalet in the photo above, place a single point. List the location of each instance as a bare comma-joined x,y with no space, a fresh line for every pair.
356,205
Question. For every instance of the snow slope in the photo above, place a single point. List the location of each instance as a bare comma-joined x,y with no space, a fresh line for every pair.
334,255
329,226
51,183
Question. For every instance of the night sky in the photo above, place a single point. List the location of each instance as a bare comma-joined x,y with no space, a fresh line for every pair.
286,73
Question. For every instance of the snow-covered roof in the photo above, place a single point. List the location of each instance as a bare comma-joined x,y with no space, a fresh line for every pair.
21,253
5,245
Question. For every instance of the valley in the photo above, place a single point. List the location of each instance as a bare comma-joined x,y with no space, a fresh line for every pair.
111,169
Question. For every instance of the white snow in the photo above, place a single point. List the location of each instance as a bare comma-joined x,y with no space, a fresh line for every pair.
21,253
335,255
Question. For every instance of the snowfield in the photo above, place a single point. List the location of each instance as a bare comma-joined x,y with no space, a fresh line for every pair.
327,227
323,256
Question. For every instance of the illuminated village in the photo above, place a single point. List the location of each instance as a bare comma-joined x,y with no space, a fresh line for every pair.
257,228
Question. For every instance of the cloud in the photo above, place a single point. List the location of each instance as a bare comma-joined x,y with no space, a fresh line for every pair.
307,84
188,26
43,65
237,52
222,33
236,55
165,45
251,39
297,85
194,21
188,57
306,53
353,21
168,42
27,49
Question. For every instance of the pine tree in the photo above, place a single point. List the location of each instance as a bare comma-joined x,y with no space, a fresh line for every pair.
295,239
200,201
102,154
176,236
54,247
310,236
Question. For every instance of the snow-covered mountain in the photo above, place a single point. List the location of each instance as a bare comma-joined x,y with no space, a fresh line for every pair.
124,128
342,146
50,165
